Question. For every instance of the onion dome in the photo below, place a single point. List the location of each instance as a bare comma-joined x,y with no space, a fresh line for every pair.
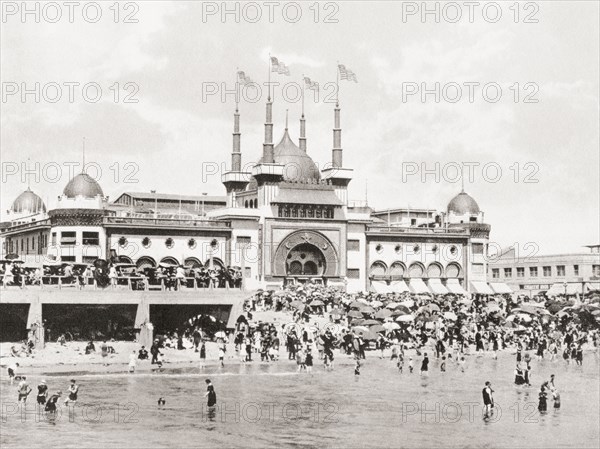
83,185
463,204
297,164
28,202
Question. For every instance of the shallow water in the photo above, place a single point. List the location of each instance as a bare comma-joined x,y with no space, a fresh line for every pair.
270,404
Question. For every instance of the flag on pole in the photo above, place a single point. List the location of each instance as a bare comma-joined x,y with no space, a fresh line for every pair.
347,74
310,84
243,78
279,67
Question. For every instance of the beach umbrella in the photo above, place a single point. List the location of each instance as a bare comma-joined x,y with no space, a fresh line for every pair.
220,334
392,305
316,302
355,314
383,313
359,329
366,309
450,316
510,318
465,301
405,318
493,307
433,307
390,326
376,328
338,312
525,308
399,312
524,317
408,303
280,293
376,304
297,304
356,304
369,322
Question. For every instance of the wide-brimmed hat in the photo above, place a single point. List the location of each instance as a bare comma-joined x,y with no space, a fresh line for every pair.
43,381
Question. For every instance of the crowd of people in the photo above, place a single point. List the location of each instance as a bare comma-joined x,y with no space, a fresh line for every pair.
104,274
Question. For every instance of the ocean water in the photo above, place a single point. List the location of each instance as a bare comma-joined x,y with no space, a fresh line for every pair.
271,405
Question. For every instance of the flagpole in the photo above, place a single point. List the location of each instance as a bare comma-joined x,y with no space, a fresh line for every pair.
302,82
337,84
237,75
269,86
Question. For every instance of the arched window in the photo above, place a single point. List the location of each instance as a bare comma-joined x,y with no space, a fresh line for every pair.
453,270
416,270
434,270
397,269
378,268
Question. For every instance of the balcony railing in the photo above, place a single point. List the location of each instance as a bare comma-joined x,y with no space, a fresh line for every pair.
140,283
165,222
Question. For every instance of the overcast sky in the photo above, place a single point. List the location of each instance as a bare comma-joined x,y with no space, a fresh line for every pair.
171,53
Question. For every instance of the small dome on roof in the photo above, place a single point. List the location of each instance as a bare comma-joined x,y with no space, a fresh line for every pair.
28,202
463,204
297,164
83,185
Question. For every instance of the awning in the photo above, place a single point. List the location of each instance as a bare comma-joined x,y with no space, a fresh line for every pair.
325,197
379,287
481,288
592,286
500,287
453,286
418,286
436,286
399,287
555,290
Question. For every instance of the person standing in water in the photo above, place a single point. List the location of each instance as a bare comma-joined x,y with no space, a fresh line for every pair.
308,361
23,389
210,394
543,399
488,399
51,404
425,365
73,390
42,395
132,361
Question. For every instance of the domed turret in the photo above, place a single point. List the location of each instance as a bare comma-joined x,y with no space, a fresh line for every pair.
29,203
463,204
83,185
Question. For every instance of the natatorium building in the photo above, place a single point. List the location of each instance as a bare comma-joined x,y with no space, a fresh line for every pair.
283,221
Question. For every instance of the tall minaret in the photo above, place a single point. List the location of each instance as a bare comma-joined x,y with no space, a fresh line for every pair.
302,139
268,155
235,180
236,154
336,154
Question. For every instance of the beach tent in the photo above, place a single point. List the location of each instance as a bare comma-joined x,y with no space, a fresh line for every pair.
436,286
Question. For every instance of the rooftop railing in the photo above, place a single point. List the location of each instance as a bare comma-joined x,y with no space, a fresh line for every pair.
416,230
165,222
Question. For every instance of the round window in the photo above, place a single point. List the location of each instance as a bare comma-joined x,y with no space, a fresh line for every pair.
453,249
192,243
146,242
122,242
169,243
379,248
416,249
434,249
398,249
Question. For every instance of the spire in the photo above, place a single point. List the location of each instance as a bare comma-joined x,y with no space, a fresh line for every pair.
83,156
236,154
336,153
286,118
302,139
268,156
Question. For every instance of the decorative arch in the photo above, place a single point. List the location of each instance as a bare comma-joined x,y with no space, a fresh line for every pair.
378,268
416,270
145,262
246,204
192,262
397,269
125,259
169,259
216,263
255,203
435,270
453,270
321,247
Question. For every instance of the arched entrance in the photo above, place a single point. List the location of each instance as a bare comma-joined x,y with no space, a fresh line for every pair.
305,259
305,253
